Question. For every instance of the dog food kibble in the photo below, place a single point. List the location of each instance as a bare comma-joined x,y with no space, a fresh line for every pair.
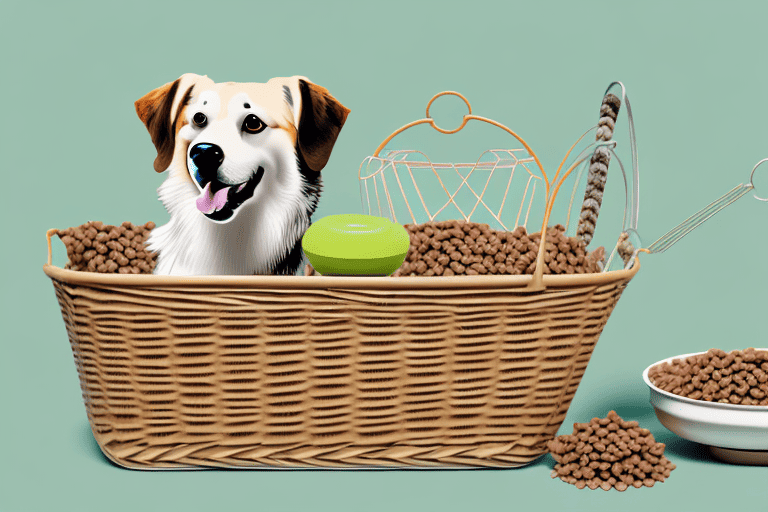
96,247
456,247
609,452
736,377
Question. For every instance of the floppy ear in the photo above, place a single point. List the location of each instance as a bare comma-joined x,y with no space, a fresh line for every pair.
160,111
319,119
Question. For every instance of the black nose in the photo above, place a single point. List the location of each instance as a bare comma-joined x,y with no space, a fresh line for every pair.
207,158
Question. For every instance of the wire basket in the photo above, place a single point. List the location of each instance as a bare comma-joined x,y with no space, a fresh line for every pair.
502,186
333,372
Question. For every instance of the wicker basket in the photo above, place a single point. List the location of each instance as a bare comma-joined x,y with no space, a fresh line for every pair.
290,372
331,372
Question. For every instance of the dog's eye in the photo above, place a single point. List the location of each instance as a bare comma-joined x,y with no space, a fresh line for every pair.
199,119
253,124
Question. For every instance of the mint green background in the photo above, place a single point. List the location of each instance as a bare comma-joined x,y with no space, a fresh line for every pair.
73,150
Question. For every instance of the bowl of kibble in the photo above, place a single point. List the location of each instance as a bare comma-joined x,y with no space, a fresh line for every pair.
716,398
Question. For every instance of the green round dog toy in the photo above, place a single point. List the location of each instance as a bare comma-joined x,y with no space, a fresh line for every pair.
357,245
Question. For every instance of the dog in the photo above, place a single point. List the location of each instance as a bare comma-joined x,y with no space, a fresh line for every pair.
243,163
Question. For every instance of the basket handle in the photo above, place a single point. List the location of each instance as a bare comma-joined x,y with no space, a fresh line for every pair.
48,235
697,219
466,118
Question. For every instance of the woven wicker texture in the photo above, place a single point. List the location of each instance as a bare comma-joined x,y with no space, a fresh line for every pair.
291,372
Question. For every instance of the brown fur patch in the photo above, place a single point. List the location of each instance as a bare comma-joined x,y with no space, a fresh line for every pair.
322,118
154,110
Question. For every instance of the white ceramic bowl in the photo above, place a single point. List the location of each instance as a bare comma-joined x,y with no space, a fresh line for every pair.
737,433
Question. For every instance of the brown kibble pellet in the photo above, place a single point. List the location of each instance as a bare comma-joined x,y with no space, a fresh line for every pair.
115,246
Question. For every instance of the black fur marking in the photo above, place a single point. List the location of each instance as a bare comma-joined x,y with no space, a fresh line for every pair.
288,95
311,186
291,263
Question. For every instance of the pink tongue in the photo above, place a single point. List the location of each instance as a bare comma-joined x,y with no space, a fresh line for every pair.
209,203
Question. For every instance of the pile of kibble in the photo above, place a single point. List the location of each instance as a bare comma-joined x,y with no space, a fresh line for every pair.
97,247
456,247
609,453
736,377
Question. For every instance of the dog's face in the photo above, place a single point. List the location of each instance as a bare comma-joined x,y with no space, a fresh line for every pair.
232,141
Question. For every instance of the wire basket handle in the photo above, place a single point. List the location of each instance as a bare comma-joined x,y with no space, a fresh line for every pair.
466,118
700,217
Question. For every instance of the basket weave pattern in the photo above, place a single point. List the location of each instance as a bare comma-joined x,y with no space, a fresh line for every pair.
330,376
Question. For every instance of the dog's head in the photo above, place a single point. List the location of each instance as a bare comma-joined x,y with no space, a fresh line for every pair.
229,136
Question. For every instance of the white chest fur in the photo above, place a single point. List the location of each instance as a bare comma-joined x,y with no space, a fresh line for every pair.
254,242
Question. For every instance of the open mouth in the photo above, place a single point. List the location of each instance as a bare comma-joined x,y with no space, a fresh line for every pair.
219,201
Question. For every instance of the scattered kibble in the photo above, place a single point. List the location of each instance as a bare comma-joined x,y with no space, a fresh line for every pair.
609,453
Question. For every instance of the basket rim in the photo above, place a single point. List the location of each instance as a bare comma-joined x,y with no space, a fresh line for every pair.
75,277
